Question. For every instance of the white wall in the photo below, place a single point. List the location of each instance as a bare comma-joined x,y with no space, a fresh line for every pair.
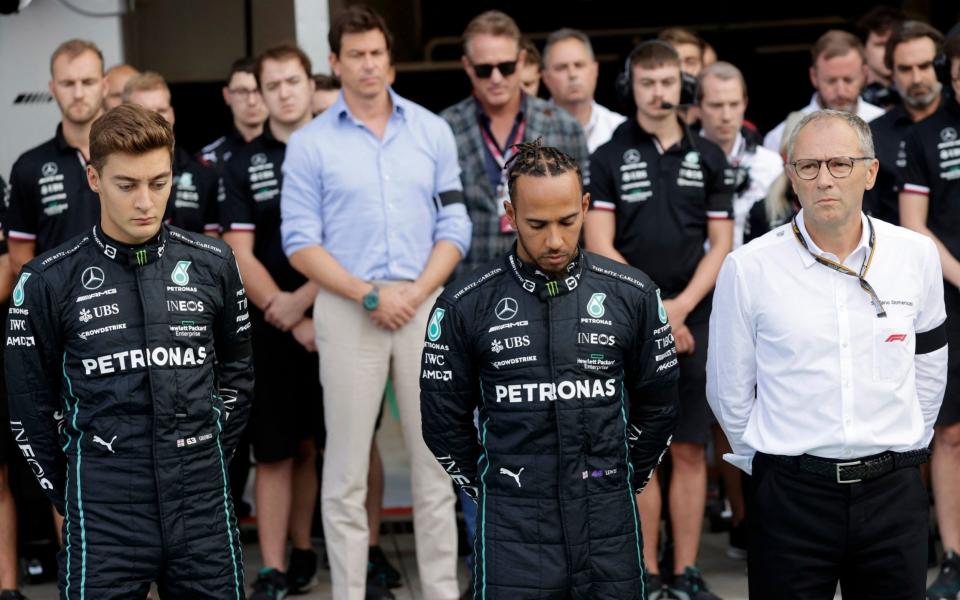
26,41
313,23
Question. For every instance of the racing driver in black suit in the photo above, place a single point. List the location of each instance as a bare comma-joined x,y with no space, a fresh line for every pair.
129,374
570,359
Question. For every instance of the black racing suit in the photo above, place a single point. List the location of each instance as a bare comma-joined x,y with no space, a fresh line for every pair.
576,384
129,377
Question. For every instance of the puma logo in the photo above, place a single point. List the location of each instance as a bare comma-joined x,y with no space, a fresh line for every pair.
109,446
516,476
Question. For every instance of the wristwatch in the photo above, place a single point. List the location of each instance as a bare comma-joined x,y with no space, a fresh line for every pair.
371,300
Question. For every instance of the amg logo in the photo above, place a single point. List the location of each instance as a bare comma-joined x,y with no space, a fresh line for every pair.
565,390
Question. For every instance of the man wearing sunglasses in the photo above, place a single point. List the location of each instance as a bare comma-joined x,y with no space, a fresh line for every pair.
929,186
826,368
494,118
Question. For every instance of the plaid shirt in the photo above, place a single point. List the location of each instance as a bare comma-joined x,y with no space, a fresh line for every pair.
557,128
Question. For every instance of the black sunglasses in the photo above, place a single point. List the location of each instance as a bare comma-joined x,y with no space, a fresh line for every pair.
484,71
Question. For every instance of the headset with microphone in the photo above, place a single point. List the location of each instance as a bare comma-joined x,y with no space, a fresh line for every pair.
688,85
624,81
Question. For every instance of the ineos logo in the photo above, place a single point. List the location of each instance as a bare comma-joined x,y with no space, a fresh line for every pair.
506,309
92,278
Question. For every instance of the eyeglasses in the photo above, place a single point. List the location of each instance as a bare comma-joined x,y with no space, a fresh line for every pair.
484,71
838,166
243,93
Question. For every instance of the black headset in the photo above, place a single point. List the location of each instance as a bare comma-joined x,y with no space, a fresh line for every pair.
624,81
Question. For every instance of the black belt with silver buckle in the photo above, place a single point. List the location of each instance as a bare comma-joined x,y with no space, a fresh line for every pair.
855,471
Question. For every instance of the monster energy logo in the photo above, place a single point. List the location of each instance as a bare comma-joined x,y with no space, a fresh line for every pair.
141,256
553,288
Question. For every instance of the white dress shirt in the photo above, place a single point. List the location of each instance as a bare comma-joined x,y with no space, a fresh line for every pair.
832,379
763,167
865,111
603,122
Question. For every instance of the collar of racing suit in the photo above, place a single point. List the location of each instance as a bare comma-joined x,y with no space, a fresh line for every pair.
134,256
540,284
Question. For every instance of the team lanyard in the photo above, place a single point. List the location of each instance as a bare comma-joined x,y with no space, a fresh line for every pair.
861,276
501,158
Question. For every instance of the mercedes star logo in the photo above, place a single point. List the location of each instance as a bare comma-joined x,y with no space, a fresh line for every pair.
506,309
49,169
631,156
948,134
92,278
259,159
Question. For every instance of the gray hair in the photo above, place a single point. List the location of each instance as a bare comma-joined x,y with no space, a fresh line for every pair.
859,126
723,71
566,34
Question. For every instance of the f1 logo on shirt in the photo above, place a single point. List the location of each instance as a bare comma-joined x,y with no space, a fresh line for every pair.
897,337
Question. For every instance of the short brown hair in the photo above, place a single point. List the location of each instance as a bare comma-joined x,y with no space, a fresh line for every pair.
880,20
533,55
909,31
144,82
326,83
678,35
282,52
654,53
74,48
835,43
492,22
723,71
952,49
356,19
130,129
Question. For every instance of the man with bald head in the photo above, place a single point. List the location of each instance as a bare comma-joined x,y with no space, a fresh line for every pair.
826,369
117,76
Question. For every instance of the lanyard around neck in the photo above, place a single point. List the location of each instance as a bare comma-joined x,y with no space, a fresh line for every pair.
840,268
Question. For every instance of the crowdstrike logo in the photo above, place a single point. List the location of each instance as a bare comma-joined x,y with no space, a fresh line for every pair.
580,389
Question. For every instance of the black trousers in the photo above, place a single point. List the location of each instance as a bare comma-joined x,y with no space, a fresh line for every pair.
807,533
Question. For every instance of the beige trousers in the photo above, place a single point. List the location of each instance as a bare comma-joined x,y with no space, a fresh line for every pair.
355,358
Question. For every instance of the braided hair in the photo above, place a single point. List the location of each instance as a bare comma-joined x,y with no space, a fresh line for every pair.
537,160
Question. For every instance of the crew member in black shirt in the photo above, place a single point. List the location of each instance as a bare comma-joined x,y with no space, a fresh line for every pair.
911,50
243,97
50,201
929,188
193,196
287,408
657,197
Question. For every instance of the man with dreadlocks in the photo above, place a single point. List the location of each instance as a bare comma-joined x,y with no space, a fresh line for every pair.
569,357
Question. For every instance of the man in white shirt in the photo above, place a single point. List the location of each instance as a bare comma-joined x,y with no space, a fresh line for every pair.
838,74
722,100
826,369
570,73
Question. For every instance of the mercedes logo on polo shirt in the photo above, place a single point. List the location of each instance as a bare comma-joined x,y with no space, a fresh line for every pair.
49,169
631,156
506,309
92,278
948,134
259,159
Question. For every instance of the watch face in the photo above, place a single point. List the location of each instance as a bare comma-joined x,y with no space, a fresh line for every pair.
371,300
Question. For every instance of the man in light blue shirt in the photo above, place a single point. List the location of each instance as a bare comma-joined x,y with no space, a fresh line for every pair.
373,212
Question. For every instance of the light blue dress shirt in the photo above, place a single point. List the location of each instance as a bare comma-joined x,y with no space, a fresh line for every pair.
378,206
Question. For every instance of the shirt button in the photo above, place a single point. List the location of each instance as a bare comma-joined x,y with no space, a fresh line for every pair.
843,345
